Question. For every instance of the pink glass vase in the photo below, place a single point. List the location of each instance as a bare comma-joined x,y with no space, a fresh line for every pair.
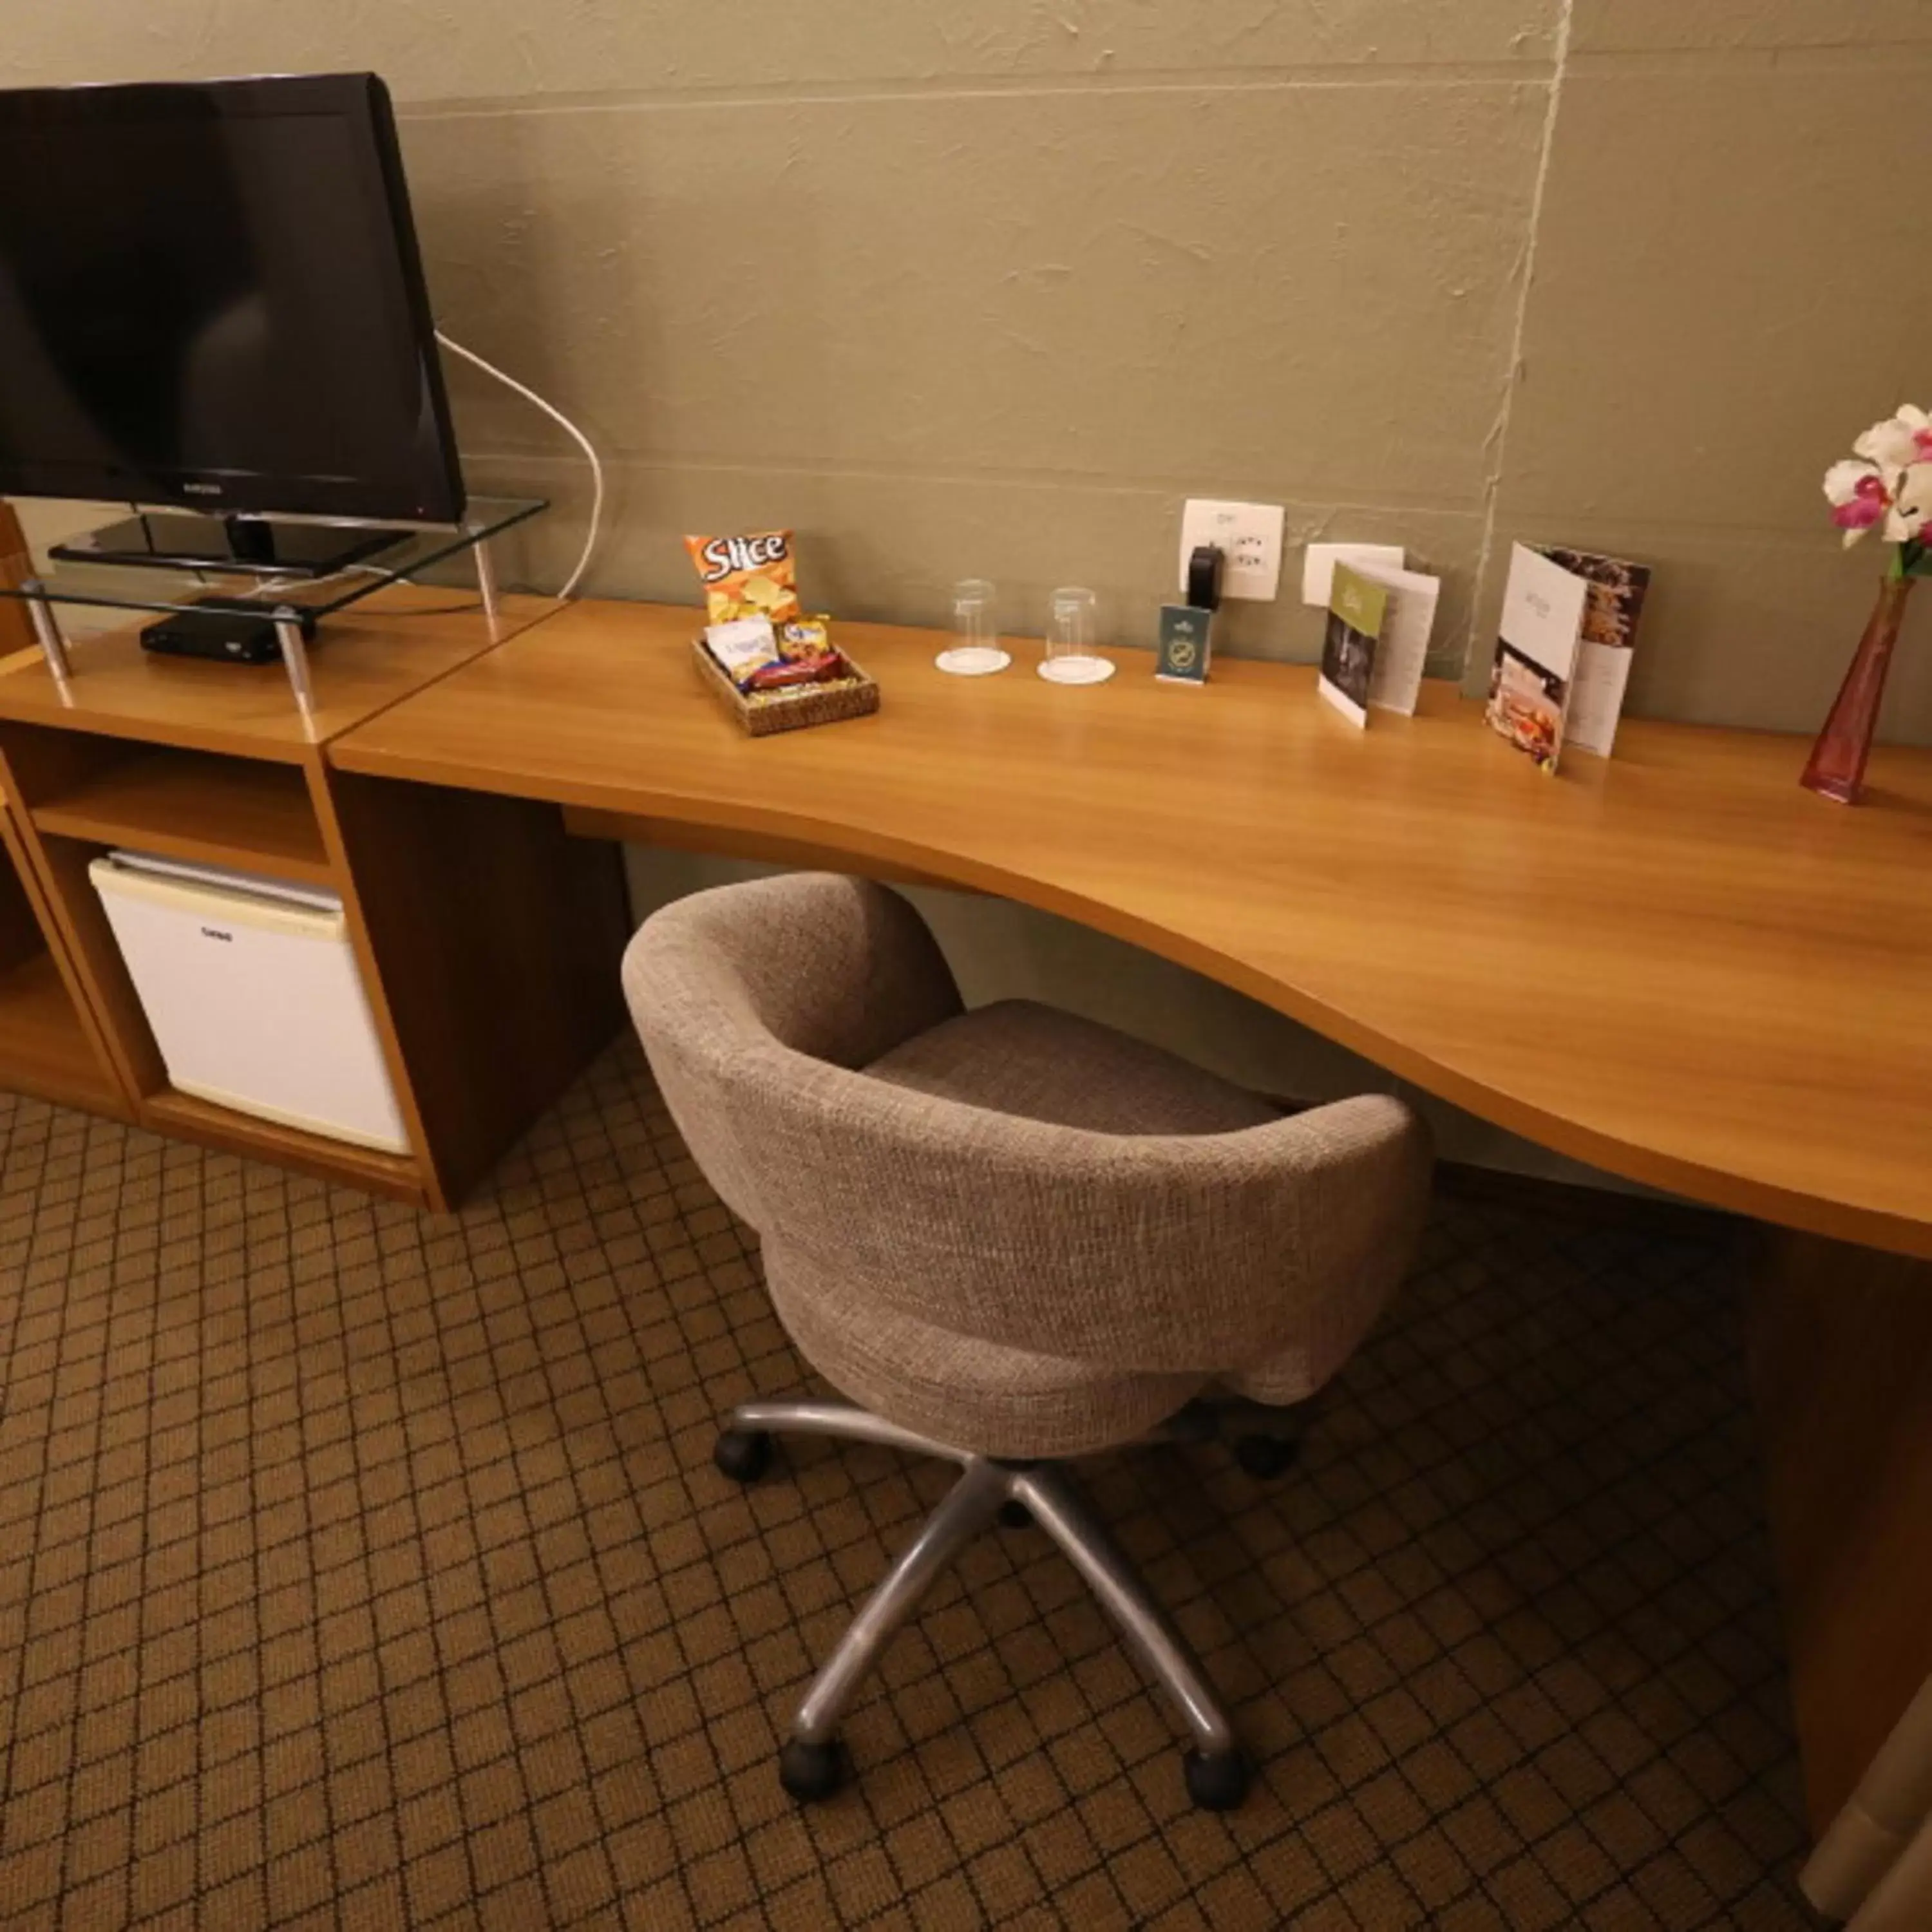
1837,766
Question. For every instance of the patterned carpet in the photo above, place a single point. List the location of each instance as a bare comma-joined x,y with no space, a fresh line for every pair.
359,1568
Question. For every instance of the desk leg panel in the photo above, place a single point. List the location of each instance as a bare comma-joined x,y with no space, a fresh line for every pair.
495,940
1840,1345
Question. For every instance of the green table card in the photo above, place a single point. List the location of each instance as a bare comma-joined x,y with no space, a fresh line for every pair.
1185,644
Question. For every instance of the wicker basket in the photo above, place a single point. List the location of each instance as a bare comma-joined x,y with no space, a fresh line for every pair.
760,713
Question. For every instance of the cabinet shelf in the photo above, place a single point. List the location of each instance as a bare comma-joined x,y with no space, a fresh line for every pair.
44,1048
171,1111
251,815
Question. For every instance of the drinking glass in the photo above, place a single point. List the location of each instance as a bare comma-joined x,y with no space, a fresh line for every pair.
1071,620
976,649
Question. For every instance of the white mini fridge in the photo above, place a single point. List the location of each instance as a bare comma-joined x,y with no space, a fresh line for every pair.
252,991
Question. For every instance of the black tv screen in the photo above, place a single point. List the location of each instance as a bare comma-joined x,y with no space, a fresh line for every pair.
210,296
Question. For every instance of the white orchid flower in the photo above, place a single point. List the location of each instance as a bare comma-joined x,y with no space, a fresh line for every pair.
1903,438
1911,506
1860,496
1888,480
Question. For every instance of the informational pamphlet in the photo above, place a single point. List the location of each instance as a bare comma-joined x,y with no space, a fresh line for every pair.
1614,603
1402,651
1356,609
1563,650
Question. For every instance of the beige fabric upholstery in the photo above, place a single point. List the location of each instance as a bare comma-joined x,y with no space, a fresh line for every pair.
1015,1230
1019,1058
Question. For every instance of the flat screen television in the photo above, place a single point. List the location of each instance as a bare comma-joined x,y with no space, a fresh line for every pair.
210,298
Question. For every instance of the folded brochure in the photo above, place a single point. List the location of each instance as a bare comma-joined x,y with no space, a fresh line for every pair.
1401,650
1377,641
1563,650
1356,605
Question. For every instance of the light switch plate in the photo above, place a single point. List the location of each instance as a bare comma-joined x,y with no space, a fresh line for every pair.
1249,536
1318,563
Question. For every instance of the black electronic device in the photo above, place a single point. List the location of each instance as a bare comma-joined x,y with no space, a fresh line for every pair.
212,299
1204,565
222,631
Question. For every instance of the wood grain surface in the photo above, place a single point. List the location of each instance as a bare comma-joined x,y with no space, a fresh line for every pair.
363,658
1675,963
1840,1343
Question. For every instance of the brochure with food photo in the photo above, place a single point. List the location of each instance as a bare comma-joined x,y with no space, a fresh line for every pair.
1563,650
1537,642
1356,607
1613,603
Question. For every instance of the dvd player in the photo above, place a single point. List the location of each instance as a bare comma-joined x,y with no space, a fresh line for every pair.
222,630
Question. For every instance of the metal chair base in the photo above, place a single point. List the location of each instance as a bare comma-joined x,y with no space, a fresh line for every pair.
811,1765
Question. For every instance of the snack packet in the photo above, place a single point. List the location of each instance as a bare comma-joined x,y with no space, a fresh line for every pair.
754,576
805,637
743,647
814,670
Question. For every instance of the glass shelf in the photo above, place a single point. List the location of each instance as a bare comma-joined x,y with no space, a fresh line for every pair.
164,588
293,604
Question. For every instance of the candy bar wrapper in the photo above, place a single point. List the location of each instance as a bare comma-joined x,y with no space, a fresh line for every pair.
814,670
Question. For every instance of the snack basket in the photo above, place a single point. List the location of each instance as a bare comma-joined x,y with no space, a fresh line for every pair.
760,713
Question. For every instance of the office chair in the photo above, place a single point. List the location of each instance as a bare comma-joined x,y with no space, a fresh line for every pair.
1010,1236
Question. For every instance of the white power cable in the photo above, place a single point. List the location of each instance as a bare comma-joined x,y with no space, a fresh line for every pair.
583,443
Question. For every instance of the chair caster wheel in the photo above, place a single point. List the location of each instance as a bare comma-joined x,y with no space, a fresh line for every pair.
811,1772
1264,1457
1014,1516
1216,1781
743,1454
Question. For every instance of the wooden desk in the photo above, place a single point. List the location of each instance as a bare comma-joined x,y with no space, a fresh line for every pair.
1676,965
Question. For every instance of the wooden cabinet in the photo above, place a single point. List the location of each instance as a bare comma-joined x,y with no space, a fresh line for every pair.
488,938
50,1045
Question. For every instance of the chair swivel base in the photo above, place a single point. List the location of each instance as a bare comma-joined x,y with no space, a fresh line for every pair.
812,1765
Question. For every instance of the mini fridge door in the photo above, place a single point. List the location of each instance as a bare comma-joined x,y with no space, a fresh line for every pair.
256,1003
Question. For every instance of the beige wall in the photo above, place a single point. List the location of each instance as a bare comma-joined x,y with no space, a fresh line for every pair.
989,287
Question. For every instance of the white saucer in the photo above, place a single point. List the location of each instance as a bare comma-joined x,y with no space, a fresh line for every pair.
973,661
1076,670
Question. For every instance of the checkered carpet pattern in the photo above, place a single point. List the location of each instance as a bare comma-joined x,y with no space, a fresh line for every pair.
361,1568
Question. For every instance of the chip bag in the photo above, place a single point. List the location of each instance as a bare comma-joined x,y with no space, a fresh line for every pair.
804,637
753,576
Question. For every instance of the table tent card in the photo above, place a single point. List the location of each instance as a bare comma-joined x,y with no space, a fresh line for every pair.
1611,607
1402,651
1356,609
1563,650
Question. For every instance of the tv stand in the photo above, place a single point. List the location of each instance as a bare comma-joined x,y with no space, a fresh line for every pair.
253,546
233,622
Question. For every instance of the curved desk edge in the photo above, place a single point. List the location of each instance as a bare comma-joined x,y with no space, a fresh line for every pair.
789,826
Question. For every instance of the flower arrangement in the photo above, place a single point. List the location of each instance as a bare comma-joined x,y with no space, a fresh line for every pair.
1887,479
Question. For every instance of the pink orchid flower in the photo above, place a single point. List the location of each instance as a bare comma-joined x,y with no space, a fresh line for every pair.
1859,496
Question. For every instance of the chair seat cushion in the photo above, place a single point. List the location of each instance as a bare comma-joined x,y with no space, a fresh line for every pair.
1017,1056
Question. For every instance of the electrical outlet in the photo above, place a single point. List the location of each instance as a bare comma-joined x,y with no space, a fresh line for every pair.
1248,535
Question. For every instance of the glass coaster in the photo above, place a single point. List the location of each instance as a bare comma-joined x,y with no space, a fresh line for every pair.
973,661
1076,670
